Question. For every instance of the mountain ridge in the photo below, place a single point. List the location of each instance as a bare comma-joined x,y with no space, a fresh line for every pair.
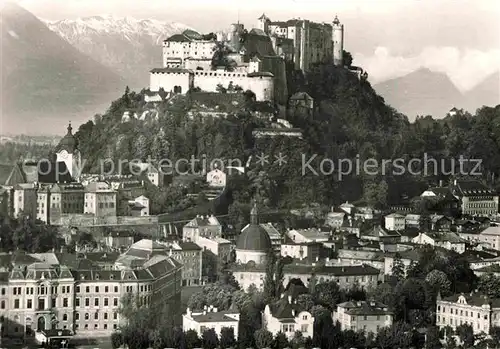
129,45
427,92
44,77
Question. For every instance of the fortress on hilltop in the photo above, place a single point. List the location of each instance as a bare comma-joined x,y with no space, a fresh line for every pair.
243,60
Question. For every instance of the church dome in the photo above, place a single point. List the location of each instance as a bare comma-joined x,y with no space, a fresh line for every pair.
254,237
69,142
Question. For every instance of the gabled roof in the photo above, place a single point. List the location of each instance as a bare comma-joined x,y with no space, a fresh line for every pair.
472,188
178,38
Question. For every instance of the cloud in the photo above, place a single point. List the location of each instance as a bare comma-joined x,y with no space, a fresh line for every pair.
465,68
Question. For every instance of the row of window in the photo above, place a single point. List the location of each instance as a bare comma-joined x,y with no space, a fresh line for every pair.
457,322
96,302
96,326
86,316
462,312
42,290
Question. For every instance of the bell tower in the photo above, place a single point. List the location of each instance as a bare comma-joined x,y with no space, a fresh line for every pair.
338,42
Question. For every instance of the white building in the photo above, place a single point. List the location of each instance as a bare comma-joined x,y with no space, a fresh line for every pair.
394,222
449,241
208,318
100,199
25,200
477,310
216,178
202,226
366,316
308,235
286,316
139,206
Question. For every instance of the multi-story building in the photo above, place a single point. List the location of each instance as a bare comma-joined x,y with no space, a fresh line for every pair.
100,199
218,246
139,206
189,44
346,276
37,295
312,42
204,226
66,198
308,235
189,255
477,310
476,199
25,199
366,316
210,318
394,222
300,250
287,317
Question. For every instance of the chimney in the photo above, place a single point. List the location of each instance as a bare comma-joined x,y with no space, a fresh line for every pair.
440,183
290,299
454,182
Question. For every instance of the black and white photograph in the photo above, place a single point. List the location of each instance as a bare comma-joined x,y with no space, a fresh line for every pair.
216,174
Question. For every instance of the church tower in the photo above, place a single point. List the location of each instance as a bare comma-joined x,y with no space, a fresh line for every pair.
338,42
67,152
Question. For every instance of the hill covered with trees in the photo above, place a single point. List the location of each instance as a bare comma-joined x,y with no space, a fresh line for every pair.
349,121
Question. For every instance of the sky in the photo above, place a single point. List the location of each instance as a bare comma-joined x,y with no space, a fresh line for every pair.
388,38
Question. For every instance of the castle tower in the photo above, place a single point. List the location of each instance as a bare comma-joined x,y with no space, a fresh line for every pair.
338,42
263,23
236,30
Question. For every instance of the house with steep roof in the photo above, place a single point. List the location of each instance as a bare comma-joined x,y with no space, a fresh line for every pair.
367,316
210,318
202,226
440,223
287,317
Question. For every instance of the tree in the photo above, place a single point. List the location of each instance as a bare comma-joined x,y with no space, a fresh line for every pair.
263,338
347,58
227,338
489,284
280,341
305,301
439,282
209,339
328,294
116,340
270,278
432,338
398,267
191,339
466,335
221,89
298,340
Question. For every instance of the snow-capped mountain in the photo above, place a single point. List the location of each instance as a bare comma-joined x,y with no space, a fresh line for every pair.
130,46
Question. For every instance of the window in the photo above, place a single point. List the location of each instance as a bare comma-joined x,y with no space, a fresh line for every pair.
87,302
29,304
2,304
97,287
77,302
87,289
115,302
96,316
106,289
77,316
115,316
303,328
105,316
96,302
16,303
53,302
106,302
116,289
77,289
65,317
65,302
87,316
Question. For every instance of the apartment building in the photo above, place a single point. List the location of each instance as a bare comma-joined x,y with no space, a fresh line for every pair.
37,295
366,316
477,310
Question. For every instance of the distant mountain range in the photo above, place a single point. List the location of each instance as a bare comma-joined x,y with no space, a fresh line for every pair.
424,92
45,79
130,46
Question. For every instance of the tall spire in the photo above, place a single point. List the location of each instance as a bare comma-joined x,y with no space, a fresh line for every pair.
254,214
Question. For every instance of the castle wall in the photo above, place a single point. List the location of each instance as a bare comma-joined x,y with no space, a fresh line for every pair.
262,86
194,64
167,81
276,66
